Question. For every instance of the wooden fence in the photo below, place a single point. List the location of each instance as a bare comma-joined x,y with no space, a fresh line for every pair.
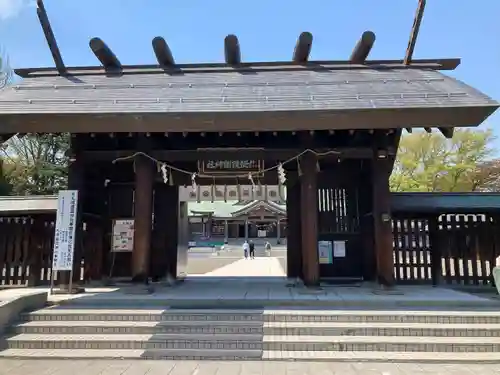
26,244
446,248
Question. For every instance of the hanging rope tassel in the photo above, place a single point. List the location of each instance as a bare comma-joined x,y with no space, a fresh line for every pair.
193,182
164,173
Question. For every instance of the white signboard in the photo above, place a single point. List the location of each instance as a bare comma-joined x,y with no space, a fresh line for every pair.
123,235
339,249
64,237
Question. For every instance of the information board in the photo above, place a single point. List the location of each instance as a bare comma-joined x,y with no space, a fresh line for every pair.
339,249
325,252
123,235
64,236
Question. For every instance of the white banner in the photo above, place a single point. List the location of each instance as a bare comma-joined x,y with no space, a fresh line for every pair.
64,237
211,193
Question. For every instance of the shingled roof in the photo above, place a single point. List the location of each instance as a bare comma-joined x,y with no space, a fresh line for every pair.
236,92
208,95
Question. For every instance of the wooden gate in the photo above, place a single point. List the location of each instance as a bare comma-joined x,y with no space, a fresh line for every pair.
338,220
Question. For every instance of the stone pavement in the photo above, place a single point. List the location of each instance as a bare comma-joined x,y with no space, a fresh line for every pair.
258,267
141,367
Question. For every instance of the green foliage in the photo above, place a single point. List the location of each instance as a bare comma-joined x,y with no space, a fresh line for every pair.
37,163
430,162
5,186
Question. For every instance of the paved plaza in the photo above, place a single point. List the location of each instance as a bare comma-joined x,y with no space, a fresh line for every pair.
258,267
83,367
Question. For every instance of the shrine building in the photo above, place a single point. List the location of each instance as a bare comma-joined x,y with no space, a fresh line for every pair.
218,222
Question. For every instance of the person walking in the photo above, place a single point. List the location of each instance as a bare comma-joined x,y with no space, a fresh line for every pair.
246,248
252,250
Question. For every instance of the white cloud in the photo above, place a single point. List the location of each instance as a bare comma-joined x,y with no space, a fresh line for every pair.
11,8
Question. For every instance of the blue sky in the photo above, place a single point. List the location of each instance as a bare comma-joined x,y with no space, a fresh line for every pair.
267,30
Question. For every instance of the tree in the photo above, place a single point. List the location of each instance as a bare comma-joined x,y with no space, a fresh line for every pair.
430,162
486,176
5,186
6,73
37,163
5,78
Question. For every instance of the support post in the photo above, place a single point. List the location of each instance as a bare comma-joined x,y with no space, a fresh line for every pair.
143,215
434,239
278,232
293,240
178,265
226,232
36,251
246,229
309,218
381,170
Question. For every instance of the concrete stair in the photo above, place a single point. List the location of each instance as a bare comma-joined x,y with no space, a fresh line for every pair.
347,335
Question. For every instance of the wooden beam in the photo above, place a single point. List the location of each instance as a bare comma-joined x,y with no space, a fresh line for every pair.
50,37
414,32
232,51
288,121
229,154
447,132
303,47
363,48
162,52
432,64
104,54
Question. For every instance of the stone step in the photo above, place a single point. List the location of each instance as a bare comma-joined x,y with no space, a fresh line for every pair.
255,342
139,315
187,354
134,342
267,328
383,357
382,343
158,354
139,327
306,300
267,315
380,329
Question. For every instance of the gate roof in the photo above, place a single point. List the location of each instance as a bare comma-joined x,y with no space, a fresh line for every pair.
251,97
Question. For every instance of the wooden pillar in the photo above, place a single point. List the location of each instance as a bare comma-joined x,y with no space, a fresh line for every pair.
35,250
246,229
143,215
278,232
365,186
226,231
382,222
434,240
178,270
163,258
293,240
309,218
